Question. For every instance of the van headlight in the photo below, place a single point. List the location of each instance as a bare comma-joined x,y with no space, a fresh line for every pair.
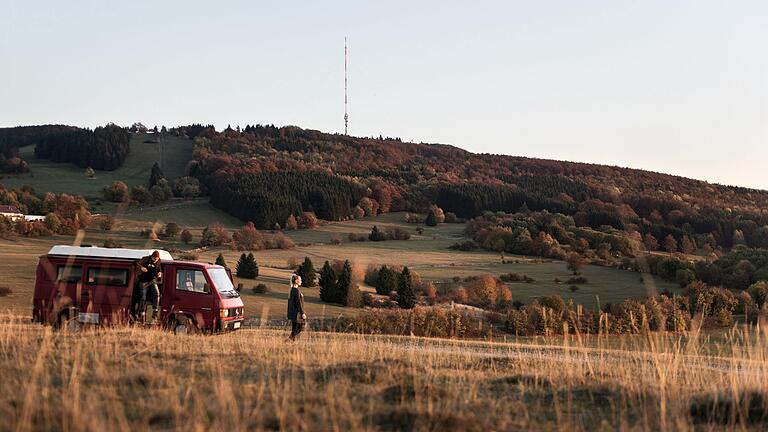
223,313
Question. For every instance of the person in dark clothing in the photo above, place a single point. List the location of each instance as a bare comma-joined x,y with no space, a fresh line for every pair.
296,313
149,274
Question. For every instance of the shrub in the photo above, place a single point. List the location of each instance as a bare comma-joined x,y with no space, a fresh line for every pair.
187,256
554,302
215,235
116,192
759,292
575,262
291,223
435,216
140,194
308,220
111,243
260,289
684,277
516,277
376,234
424,322
413,218
281,241
577,280
397,233
106,223
248,238
466,246
459,295
573,288
482,290
186,236
172,229
292,262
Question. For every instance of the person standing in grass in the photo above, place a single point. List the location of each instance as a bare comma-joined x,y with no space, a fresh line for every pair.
296,308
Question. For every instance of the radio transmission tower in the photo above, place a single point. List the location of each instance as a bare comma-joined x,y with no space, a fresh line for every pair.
346,114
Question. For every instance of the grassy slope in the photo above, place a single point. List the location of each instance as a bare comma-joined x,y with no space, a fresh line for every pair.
50,176
134,379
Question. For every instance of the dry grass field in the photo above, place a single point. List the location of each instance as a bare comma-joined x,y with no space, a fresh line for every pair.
128,379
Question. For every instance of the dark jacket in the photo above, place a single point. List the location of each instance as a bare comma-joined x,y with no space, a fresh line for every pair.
152,269
295,305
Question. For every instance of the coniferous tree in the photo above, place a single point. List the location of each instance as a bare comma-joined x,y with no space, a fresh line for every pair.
406,297
247,267
343,283
376,234
347,291
220,260
327,283
307,272
155,175
387,281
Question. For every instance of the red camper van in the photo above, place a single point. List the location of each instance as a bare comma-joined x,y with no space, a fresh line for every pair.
92,285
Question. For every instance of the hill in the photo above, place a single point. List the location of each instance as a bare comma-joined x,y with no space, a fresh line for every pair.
332,175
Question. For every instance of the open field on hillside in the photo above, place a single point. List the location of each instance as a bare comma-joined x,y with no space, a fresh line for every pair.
428,254
135,379
47,176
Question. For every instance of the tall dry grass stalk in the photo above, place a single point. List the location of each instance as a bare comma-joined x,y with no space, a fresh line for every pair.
128,379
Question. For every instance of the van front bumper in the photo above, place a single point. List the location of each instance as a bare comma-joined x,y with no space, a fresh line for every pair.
230,324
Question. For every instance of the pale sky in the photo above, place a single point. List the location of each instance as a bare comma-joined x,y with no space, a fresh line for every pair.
672,86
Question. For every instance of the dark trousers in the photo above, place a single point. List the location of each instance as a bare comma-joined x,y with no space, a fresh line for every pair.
296,328
149,293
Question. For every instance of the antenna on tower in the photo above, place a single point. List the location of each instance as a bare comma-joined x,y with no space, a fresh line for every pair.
346,115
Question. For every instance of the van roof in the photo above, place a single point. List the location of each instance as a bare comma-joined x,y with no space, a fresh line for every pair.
100,252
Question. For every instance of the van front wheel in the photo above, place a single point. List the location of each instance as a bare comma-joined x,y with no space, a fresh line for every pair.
184,325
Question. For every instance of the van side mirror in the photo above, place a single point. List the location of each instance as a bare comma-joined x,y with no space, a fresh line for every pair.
206,288
239,287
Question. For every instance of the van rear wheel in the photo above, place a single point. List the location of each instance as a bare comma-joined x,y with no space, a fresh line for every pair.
184,325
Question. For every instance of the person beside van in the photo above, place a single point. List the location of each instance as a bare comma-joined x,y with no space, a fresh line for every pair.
296,313
149,268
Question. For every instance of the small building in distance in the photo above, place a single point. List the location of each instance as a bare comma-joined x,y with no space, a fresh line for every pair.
11,212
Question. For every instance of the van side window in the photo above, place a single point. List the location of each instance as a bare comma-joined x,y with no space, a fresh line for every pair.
69,274
108,276
191,280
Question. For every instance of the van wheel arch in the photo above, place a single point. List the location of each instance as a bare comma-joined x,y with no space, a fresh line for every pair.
183,324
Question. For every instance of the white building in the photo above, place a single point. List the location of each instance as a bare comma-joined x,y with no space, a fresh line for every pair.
11,212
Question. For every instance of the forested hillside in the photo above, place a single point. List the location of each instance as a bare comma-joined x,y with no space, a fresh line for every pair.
104,148
396,176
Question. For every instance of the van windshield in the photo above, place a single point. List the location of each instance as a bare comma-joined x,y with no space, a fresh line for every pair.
221,280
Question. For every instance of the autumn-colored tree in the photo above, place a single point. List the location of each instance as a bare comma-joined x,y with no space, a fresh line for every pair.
248,238
291,223
670,244
575,261
650,242
186,236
